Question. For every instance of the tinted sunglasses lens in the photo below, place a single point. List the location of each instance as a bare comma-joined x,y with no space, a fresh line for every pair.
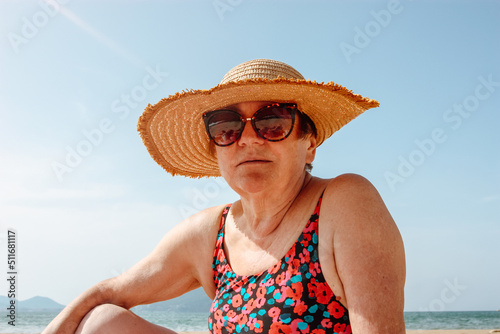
274,123
224,127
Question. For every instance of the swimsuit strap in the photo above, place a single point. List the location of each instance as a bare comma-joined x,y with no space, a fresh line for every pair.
219,255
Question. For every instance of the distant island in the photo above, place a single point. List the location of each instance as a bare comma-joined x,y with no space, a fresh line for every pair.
194,301
35,304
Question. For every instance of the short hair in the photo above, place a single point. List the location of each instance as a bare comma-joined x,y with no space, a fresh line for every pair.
306,128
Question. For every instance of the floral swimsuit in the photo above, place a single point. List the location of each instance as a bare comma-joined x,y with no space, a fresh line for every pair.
290,297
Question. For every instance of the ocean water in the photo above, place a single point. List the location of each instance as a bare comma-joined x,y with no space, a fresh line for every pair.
453,320
35,322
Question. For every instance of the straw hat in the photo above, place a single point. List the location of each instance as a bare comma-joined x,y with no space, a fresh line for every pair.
173,129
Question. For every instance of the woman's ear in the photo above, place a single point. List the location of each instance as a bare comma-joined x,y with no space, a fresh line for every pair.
311,149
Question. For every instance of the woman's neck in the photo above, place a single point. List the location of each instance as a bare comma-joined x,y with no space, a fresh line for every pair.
259,215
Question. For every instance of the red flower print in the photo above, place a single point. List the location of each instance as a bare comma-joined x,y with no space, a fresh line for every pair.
293,269
220,322
342,329
291,251
216,328
295,327
220,255
320,291
249,306
305,256
230,327
231,314
300,308
258,327
218,314
255,325
282,298
241,319
339,328
237,286
314,269
295,291
326,323
261,292
278,328
270,282
310,228
306,239
280,278
275,268
336,310
318,331
274,312
259,302
236,301
251,288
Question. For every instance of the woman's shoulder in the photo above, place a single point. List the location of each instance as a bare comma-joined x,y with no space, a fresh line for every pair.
351,197
206,219
349,188
349,180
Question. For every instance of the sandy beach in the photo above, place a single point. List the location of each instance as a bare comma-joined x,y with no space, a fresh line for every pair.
453,331
456,331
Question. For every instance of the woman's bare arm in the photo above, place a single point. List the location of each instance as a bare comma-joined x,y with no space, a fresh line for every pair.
180,263
369,256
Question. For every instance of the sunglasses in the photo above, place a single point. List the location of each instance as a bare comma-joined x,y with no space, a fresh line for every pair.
273,123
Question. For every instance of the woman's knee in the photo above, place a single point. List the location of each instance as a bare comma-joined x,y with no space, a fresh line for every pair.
103,316
108,318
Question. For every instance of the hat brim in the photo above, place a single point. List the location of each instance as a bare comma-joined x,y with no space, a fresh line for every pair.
175,136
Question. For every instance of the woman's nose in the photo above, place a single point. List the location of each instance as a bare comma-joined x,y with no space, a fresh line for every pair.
249,135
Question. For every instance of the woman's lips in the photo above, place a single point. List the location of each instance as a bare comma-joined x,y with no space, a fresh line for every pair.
253,161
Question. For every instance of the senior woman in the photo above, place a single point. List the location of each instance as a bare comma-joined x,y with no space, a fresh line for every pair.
296,253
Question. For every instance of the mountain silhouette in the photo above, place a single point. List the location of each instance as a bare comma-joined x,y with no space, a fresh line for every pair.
193,301
36,303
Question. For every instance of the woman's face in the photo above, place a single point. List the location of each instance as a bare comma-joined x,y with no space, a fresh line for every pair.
253,164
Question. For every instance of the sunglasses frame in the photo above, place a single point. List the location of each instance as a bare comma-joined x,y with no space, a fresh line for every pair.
291,107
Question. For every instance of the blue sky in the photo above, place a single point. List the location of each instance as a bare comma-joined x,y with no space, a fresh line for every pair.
87,201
